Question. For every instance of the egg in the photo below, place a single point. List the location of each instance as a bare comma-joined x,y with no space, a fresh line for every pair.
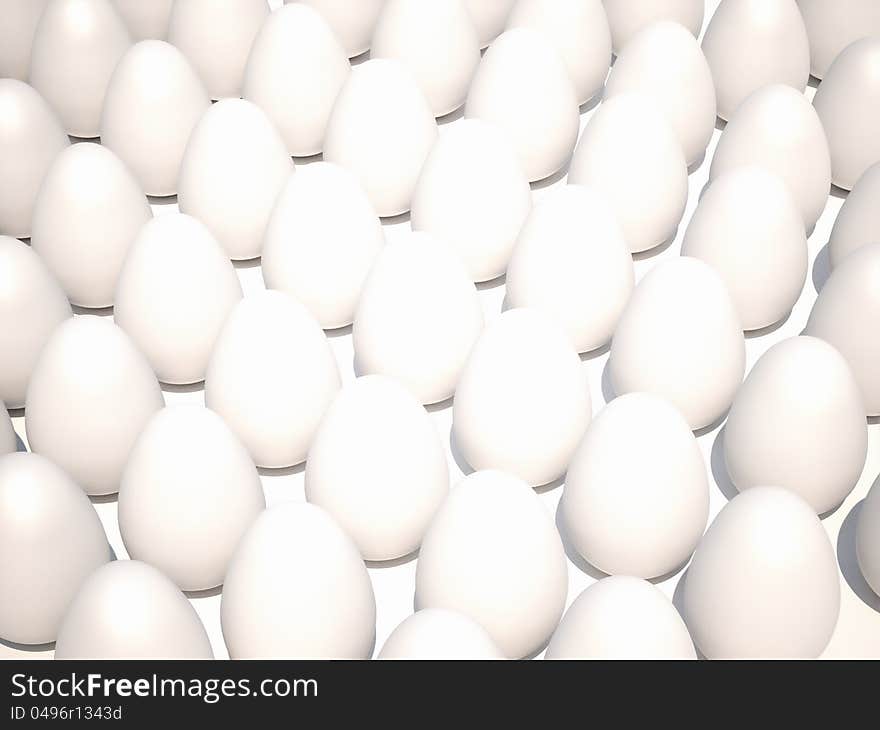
628,17
831,27
352,24
572,262
523,401
90,395
489,17
798,422
176,290
188,493
868,539
321,240
31,137
145,20
680,338
848,103
436,41
418,317
129,610
776,128
50,538
753,43
88,212
436,633
858,221
378,467
20,18
234,166
847,315
217,37
153,101
77,45
292,551
637,516
664,61
621,617
763,581
271,377
509,575
579,31
523,86
473,193
640,168
381,128
8,437
294,73
748,228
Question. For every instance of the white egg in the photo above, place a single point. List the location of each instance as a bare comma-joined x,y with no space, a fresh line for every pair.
628,17
664,61
523,400
294,73
32,305
86,216
639,167
381,129
798,422
90,395
748,228
353,24
858,221
848,103
473,193
509,574
523,86
489,17
77,45
31,137
579,31
680,338
638,516
777,128
763,581
234,166
50,541
20,18
153,101
297,589
129,610
418,317
321,240
145,19
188,493
847,315
217,37
572,261
377,465
271,376
435,633
753,43
831,27
621,617
176,290
8,437
868,538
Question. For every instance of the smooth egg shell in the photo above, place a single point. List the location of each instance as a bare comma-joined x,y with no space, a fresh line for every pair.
858,221
353,24
628,17
435,633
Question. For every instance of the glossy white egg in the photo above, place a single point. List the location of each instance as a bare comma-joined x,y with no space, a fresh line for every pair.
292,551
418,317
489,17
621,617
628,17
50,540
868,539
271,376
639,166
858,221
90,395
381,129
86,216
572,262
435,633
763,581
680,338
20,18
8,437
153,101
352,24
145,19
509,575
831,27
176,290
234,166
523,401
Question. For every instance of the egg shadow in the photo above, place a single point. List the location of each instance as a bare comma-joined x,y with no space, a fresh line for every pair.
104,498
848,562
596,353
251,263
678,602
28,648
720,124
717,423
183,388
92,311
822,267
492,284
162,199
20,447
697,164
439,405
719,468
452,116
205,593
571,552
391,220
308,159
457,456
768,330
838,192
393,562
281,471
607,388
592,102
656,250
336,332
551,180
